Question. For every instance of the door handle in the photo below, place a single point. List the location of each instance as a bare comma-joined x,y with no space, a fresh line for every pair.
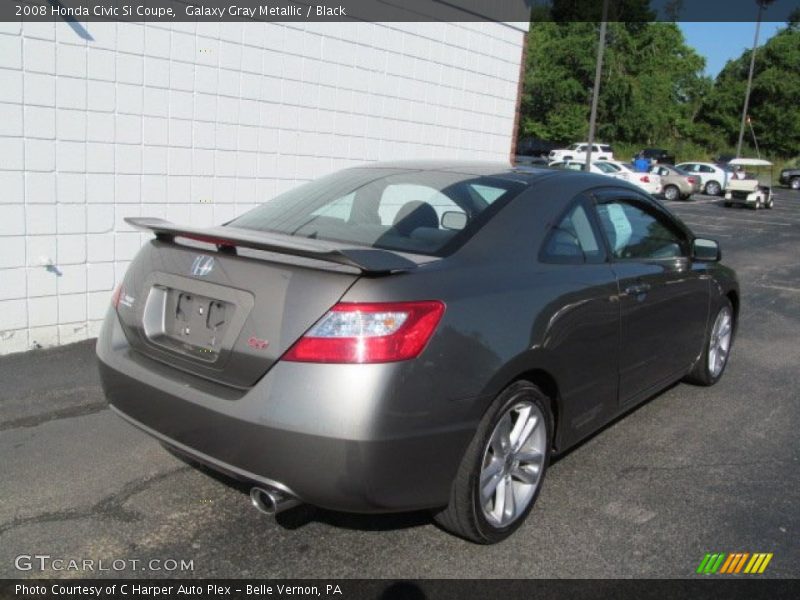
637,289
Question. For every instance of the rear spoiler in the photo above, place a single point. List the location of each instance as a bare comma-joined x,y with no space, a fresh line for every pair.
368,260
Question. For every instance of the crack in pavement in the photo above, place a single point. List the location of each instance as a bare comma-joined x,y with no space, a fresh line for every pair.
64,413
108,507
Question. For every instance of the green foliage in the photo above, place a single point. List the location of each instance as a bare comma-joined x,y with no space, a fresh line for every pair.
653,91
651,87
773,100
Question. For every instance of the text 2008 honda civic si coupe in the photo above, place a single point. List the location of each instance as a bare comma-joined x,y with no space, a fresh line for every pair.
402,336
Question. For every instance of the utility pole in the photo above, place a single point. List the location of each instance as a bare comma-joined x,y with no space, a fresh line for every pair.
761,5
596,92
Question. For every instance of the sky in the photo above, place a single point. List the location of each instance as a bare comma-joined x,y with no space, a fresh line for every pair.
720,42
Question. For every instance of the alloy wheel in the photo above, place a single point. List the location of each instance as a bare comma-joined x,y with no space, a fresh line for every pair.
720,343
513,463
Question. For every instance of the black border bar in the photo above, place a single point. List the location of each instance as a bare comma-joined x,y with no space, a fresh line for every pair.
700,588
513,11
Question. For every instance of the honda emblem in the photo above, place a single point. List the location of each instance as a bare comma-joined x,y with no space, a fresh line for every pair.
202,265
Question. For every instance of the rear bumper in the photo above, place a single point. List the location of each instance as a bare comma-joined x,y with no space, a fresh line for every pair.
333,435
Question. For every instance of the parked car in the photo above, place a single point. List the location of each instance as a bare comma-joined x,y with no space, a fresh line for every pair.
712,177
657,156
530,146
751,184
722,160
648,182
676,183
578,164
791,177
415,335
578,150
531,161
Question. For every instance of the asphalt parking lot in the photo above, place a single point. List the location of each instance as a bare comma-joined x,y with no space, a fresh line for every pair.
693,470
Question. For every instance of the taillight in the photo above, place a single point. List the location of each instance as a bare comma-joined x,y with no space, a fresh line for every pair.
369,333
644,179
691,180
116,296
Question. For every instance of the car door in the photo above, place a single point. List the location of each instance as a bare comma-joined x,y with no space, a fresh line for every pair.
582,325
663,298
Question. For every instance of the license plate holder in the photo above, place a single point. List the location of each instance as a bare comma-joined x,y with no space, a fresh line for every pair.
190,323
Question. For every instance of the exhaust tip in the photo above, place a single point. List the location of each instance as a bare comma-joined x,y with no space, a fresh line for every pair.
263,500
271,502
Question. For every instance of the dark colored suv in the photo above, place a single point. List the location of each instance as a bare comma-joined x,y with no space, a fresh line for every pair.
791,177
658,155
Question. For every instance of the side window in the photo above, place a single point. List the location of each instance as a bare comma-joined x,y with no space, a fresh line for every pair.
635,233
572,240
706,169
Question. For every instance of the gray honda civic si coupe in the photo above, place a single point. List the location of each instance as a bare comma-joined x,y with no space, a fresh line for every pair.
413,335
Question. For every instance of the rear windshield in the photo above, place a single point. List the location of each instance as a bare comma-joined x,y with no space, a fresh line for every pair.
423,212
606,149
607,167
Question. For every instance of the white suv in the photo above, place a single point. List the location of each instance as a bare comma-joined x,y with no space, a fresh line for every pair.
578,150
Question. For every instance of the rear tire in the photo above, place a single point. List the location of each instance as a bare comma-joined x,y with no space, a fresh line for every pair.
480,510
713,188
672,193
711,365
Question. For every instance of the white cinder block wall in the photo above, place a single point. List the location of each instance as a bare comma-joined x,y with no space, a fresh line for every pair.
199,122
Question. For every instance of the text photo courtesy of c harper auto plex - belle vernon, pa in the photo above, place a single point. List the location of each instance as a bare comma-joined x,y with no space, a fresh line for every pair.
399,299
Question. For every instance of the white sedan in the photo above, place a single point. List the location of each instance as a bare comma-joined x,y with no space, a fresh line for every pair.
713,178
599,167
649,182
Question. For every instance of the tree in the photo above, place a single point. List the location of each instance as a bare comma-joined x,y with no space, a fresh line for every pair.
773,100
652,83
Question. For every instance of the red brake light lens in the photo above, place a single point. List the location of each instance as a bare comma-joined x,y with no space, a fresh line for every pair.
645,179
369,333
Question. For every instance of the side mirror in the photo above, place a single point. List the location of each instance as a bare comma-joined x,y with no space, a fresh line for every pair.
455,220
704,250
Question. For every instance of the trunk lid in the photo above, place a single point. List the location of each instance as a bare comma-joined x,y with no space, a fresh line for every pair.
227,303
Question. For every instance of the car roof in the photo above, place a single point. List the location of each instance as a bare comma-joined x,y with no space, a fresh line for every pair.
522,174
527,175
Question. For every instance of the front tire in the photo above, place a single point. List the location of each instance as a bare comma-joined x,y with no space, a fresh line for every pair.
794,183
711,365
713,188
502,471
